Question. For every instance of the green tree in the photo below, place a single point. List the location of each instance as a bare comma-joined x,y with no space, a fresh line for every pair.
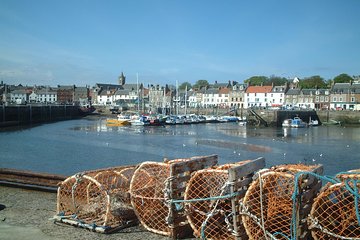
201,83
343,78
277,81
313,82
257,81
184,85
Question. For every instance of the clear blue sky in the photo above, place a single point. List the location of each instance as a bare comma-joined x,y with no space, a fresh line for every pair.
89,41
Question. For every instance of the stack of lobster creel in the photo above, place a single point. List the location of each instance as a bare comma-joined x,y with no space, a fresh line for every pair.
212,217
196,197
335,213
147,196
153,187
272,207
98,200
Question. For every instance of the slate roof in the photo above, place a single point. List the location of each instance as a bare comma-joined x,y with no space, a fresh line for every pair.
294,91
278,89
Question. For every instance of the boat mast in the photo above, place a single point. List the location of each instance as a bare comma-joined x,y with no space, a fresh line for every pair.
177,98
164,107
138,95
185,98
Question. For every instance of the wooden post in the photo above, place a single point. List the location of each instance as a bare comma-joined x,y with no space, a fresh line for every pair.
240,177
180,174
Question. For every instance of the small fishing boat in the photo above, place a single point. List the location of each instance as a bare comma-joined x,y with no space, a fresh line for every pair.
121,120
138,121
287,122
331,122
295,122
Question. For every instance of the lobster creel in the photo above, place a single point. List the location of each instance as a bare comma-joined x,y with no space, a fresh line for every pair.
335,213
269,210
155,184
98,200
212,198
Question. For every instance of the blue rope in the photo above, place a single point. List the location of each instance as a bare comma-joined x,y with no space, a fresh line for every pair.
203,226
354,191
281,234
330,179
230,195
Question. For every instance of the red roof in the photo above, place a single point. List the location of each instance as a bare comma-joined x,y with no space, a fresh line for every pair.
224,90
259,89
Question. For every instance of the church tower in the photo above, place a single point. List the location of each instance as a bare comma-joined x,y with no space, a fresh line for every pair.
122,79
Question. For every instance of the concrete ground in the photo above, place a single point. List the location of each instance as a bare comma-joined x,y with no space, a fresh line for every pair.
26,215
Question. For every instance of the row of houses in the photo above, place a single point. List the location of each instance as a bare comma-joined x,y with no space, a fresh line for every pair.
44,94
231,95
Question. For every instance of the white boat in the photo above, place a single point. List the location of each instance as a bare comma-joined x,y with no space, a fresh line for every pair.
331,122
242,121
137,122
313,123
287,122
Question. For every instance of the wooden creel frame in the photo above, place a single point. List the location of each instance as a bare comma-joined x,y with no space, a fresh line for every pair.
155,184
213,196
334,212
268,206
97,200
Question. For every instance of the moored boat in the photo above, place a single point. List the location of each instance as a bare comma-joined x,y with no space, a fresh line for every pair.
331,122
287,122
121,120
295,122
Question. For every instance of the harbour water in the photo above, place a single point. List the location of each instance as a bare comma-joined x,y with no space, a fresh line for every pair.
72,146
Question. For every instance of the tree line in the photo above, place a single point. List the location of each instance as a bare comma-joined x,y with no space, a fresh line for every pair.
307,83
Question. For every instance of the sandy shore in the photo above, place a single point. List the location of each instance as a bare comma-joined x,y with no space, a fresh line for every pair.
26,214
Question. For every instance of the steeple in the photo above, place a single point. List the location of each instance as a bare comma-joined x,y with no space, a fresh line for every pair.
122,79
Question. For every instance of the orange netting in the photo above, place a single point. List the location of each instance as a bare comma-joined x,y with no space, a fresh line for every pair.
334,212
268,205
155,184
98,200
147,196
211,218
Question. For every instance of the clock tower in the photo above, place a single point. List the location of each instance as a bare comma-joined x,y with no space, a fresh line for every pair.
122,79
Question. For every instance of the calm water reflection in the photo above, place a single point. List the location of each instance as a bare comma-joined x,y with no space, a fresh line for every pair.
71,146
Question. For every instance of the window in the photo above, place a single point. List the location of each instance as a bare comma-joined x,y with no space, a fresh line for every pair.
352,99
334,99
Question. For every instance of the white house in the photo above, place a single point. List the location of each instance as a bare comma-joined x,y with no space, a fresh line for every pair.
21,95
277,96
258,96
46,96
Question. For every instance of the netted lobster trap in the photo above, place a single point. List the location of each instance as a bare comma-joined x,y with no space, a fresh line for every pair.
335,213
212,199
155,185
279,200
97,200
